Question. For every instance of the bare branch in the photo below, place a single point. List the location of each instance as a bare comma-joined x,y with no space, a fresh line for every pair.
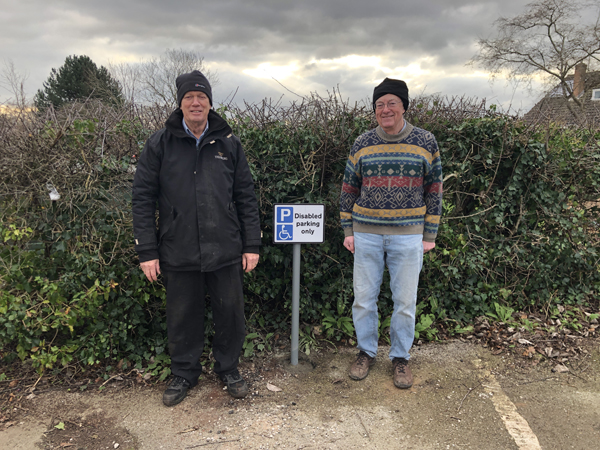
157,75
550,38
13,81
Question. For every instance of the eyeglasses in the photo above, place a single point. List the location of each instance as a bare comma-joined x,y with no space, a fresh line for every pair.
391,105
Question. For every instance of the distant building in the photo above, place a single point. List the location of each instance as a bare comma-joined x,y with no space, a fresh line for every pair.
554,107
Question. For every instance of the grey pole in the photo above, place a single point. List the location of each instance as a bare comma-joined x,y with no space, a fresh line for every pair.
295,303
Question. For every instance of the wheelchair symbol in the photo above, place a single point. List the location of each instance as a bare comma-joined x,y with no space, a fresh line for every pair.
283,232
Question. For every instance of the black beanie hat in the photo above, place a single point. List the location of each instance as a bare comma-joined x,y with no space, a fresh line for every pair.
193,81
391,86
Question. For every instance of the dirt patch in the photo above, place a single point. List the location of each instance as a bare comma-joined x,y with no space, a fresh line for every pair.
86,431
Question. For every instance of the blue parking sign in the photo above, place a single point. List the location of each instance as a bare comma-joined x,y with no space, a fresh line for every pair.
298,223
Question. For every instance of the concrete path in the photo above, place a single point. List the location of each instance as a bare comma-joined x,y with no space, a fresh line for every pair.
464,397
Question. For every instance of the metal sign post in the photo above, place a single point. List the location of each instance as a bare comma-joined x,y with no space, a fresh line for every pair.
297,224
295,303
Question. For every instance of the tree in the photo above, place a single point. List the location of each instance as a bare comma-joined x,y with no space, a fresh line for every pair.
78,79
14,82
153,81
550,38
127,75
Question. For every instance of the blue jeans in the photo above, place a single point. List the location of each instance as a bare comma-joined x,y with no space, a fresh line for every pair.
403,255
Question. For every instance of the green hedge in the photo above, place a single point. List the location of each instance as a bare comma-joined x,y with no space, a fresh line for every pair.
519,226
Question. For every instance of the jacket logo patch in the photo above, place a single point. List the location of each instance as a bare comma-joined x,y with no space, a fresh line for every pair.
220,156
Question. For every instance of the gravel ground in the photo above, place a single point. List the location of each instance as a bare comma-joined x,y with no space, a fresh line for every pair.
454,404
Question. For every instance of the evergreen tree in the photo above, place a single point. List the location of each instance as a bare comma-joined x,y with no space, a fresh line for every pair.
78,79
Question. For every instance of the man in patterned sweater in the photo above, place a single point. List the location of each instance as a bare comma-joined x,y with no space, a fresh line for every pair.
390,210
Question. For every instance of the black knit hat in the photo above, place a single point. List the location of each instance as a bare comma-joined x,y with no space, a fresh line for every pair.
193,81
391,86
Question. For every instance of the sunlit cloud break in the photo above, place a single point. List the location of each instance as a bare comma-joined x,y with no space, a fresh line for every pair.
267,70
352,61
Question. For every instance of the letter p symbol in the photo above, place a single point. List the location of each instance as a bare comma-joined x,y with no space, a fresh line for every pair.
286,215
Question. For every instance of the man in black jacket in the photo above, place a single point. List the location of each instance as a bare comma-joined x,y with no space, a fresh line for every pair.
208,233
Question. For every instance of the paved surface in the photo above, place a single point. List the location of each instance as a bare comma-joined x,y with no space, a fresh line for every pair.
464,397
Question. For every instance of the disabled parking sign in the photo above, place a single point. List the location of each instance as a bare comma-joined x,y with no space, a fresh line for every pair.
298,223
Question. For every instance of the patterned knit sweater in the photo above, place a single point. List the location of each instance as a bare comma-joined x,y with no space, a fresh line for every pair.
393,184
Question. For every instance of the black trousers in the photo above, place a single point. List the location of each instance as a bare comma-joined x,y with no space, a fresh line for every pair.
186,293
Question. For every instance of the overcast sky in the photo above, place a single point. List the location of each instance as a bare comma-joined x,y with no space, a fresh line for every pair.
256,46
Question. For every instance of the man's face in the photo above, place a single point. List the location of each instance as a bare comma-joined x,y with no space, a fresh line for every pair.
389,112
195,106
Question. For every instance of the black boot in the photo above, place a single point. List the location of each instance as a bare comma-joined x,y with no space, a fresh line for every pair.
236,385
176,391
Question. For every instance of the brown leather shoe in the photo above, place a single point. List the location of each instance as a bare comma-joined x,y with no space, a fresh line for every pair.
403,378
360,368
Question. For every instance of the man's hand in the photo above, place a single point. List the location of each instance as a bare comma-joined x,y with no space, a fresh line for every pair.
249,261
428,246
151,269
349,243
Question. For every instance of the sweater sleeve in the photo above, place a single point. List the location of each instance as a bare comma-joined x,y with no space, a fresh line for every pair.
432,186
350,189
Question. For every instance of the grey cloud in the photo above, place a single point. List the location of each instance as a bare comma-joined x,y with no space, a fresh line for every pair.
37,35
317,28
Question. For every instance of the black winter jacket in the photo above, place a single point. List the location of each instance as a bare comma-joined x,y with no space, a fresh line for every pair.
208,213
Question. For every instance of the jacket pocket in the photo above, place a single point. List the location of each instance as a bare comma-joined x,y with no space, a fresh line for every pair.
167,226
234,216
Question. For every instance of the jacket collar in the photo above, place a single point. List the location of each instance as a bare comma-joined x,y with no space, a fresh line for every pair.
217,124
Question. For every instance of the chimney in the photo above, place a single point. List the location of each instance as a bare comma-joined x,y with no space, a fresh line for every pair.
579,80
